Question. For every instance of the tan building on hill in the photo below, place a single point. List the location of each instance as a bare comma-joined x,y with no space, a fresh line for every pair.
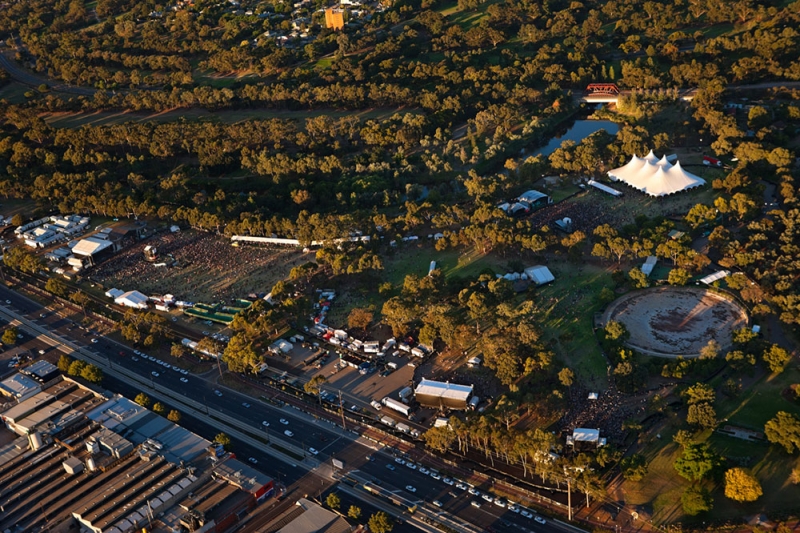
334,19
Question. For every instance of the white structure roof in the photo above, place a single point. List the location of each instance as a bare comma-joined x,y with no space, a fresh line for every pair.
90,246
655,177
647,267
586,434
134,299
539,274
443,390
711,278
114,293
531,196
604,188
19,387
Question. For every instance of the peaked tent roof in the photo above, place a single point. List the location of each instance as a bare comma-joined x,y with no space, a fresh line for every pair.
655,177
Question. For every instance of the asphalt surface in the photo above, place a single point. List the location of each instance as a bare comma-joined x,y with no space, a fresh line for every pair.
327,440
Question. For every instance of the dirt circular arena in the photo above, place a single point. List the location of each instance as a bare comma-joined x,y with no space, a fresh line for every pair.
676,321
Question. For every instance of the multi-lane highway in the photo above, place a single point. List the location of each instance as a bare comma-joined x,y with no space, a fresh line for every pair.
320,439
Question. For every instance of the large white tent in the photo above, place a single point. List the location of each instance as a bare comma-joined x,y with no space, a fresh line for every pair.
654,176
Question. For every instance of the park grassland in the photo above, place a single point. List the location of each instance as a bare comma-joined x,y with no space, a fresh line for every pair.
661,488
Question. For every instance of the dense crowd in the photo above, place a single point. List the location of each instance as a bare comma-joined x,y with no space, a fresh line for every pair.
606,413
206,268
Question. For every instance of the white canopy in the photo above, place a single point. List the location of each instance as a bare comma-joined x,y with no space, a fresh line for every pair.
655,177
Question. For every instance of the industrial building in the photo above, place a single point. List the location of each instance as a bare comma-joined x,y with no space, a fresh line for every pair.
307,517
18,387
41,371
108,465
49,230
442,395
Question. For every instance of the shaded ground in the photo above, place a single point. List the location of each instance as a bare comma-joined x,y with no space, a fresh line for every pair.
676,321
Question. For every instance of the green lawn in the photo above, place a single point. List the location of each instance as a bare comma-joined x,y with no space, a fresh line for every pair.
568,305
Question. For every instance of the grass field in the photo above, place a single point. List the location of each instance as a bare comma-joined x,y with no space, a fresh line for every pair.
568,305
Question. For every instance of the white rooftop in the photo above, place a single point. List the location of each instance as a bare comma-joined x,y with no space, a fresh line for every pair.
441,389
585,435
19,386
711,278
90,246
539,274
132,299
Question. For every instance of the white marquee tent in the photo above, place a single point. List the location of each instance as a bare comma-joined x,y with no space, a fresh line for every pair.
654,176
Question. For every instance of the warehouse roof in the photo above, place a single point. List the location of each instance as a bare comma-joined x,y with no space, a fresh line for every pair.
443,389
314,519
18,386
90,246
540,274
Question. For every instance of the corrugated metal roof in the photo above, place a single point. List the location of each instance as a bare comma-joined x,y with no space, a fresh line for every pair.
443,390
540,274
90,246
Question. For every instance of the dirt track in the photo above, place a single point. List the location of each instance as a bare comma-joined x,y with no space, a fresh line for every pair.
676,321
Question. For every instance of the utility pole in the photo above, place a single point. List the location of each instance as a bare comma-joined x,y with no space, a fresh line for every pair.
219,365
341,410
569,498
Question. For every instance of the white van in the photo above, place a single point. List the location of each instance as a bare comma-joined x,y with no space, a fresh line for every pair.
376,405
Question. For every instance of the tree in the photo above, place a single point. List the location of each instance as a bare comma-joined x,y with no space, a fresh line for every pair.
678,276
696,500
710,350
63,363
742,486
775,357
177,350
333,501
92,374
439,438
159,408
380,523
9,336
697,461
702,414
359,318
142,399
312,386
784,429
354,512
639,278
56,286
76,367
566,377
174,416
17,220
634,467
223,439
239,354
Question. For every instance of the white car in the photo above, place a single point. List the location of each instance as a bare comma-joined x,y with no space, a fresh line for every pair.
488,497
423,470
265,424
246,405
155,374
134,359
284,422
159,362
526,513
514,508
137,352
399,460
461,486
151,358
411,465
540,520
184,372
218,393
500,502
448,481
253,460
288,433
41,352
437,503
476,504
411,488
312,451
474,491
436,475
176,369
184,380
94,340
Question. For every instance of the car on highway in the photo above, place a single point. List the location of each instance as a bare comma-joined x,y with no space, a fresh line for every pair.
460,485
184,371
265,423
411,488
43,315
176,368
411,465
500,502
475,503
41,352
284,421
526,513
312,451
288,433
155,374
218,393
253,460
134,358
436,475
159,362
8,302
151,358
391,467
448,481
246,405
437,503
399,460
540,520
514,508
137,352
423,470
94,340
184,380
488,497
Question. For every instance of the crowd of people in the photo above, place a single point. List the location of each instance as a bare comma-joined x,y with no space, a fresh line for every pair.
199,267
607,413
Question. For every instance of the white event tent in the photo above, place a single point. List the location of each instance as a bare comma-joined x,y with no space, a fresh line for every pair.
654,176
